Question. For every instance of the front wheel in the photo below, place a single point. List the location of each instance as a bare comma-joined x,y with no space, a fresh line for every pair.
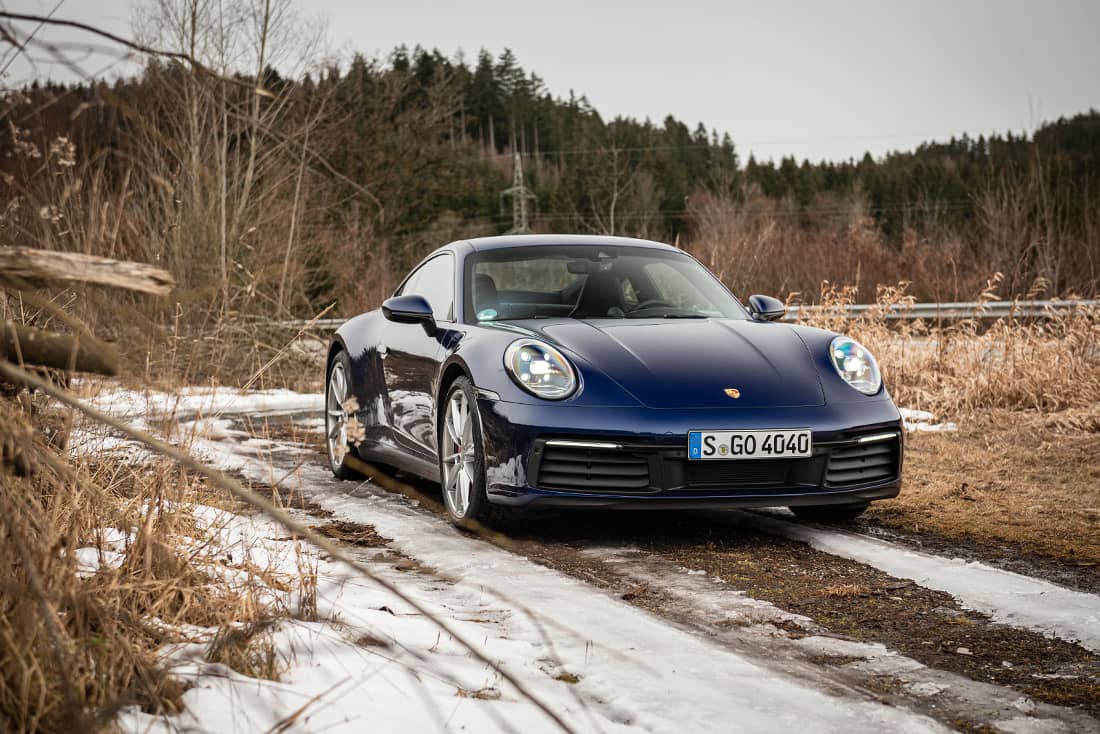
830,513
462,459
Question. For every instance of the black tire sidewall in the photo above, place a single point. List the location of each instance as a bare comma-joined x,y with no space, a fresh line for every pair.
480,508
343,471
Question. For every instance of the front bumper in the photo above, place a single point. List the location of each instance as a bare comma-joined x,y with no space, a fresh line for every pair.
536,456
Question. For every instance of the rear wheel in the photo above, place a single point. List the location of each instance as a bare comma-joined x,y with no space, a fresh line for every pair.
337,416
462,459
830,513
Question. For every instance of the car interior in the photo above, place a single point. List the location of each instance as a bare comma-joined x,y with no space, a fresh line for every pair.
584,284
597,295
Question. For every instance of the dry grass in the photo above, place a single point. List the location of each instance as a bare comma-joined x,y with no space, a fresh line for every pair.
844,590
248,649
75,647
957,368
1023,468
1007,477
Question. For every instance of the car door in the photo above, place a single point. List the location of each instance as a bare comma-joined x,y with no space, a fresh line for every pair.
411,357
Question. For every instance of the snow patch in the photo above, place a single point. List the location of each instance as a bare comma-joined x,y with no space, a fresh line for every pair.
206,401
1007,597
921,421
635,671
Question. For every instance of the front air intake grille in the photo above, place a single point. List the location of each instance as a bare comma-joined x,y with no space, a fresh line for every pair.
592,469
862,463
754,474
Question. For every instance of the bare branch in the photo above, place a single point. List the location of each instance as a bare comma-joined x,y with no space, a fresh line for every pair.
45,267
50,349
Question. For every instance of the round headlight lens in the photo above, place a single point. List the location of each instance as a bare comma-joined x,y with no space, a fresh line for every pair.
854,363
540,369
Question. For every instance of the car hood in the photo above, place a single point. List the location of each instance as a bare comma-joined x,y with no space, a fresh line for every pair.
682,363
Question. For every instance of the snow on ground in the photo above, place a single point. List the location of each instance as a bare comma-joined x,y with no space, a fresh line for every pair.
921,421
706,602
1007,597
109,551
635,671
369,661
204,401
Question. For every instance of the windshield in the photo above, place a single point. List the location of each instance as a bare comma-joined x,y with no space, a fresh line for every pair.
589,282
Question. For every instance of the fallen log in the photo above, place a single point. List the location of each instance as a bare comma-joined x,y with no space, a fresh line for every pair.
21,265
59,351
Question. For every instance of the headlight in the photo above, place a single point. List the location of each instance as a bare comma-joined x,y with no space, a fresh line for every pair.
854,363
540,369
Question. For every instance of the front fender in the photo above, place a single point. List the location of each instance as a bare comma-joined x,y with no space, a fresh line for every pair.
480,353
837,391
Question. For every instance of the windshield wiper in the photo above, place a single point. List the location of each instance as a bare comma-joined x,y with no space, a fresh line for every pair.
669,316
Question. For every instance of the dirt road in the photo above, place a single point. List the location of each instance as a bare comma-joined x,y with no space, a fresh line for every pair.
858,618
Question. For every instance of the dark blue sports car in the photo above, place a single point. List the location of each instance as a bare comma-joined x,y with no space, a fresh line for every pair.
574,371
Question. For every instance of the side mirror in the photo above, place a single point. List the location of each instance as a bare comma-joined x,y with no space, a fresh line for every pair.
766,308
409,310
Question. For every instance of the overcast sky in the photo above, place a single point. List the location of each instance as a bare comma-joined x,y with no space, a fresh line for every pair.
825,79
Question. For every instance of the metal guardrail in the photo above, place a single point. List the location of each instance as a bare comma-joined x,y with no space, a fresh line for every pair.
958,310
954,311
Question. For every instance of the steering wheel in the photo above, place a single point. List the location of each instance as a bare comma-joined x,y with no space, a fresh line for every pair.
651,303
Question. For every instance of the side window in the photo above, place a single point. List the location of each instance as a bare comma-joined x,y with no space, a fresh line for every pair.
435,281
409,286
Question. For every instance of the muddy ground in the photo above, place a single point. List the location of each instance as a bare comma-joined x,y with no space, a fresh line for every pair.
843,598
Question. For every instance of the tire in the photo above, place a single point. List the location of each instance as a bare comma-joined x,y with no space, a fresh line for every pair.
830,513
337,391
462,460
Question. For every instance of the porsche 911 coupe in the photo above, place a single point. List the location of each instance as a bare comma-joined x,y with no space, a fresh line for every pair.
526,372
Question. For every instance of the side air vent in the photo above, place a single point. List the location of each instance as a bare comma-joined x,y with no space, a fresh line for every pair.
862,463
592,469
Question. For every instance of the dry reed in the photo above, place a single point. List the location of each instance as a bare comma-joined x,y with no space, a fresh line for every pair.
77,643
1046,365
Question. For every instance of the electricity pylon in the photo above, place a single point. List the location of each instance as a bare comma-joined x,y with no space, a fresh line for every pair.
520,196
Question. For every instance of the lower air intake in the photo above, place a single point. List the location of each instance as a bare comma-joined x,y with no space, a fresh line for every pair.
862,463
592,469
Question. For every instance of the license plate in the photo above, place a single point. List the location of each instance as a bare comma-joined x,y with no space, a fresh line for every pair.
762,444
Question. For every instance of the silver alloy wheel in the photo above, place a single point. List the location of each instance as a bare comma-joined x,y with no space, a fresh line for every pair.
459,456
336,415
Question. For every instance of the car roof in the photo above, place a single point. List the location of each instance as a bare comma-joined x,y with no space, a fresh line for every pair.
481,244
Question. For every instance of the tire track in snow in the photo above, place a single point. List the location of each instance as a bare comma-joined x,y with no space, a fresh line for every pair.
316,483
950,697
1006,597
667,678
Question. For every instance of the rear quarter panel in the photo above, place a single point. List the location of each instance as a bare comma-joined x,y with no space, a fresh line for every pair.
358,337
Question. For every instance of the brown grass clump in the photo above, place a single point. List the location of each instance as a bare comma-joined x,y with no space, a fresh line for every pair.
76,644
1025,394
248,649
844,590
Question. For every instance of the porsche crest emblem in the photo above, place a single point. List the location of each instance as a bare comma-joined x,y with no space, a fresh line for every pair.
733,392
